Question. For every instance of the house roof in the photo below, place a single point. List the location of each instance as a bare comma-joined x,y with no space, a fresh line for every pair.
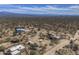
15,52
19,47
16,49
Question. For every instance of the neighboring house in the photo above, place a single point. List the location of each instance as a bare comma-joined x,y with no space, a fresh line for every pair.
14,50
20,29
53,37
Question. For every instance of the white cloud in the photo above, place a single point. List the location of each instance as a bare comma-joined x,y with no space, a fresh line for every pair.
47,8
74,7
43,10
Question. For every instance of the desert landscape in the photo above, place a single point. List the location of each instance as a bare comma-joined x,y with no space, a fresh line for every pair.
39,29
39,35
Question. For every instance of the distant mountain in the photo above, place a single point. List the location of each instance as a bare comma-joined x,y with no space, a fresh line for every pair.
10,14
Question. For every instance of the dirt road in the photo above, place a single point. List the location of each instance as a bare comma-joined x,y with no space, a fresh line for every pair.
60,46
57,47
35,38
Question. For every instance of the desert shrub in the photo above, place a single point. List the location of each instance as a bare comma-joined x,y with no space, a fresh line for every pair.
33,46
65,52
2,48
33,52
7,40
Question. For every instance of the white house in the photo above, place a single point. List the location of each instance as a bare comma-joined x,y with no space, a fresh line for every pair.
14,50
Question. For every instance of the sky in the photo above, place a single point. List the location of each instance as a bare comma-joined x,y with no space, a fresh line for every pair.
41,9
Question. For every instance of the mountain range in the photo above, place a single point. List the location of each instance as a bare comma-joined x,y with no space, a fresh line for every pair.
24,15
